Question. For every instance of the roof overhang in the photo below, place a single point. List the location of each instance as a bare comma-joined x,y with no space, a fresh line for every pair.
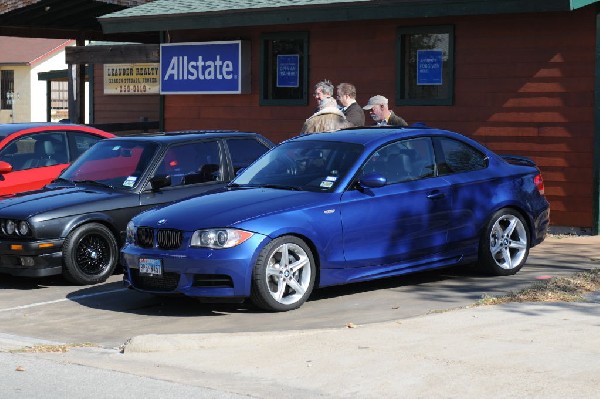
60,19
156,16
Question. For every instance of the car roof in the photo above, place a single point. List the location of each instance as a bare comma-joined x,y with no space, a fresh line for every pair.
188,135
7,129
377,135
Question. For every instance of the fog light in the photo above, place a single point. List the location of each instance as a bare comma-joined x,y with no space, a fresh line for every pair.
26,261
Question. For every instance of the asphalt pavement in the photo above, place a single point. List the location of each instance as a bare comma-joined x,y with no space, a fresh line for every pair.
525,350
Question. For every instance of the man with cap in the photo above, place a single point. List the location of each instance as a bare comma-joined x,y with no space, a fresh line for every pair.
381,114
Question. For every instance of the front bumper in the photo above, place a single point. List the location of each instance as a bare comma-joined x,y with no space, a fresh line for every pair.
195,272
31,258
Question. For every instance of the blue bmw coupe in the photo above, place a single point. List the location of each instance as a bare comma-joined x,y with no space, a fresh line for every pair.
334,208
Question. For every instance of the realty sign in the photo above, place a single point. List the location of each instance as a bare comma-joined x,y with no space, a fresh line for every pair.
204,68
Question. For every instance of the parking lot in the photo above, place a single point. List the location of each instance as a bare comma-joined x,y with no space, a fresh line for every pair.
109,314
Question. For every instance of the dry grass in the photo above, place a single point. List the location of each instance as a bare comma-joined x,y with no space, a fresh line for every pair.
53,348
558,289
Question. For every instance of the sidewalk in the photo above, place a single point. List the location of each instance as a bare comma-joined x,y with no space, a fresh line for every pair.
525,350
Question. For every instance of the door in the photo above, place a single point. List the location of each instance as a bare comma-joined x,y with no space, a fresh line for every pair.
405,220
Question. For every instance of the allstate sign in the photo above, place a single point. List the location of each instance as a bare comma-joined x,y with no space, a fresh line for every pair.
205,68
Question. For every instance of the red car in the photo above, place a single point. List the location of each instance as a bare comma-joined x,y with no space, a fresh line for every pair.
34,154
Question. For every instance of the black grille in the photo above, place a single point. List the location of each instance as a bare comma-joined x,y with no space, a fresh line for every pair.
212,280
169,239
145,237
165,283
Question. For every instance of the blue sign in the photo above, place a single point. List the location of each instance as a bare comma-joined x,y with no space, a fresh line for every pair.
288,70
429,67
203,68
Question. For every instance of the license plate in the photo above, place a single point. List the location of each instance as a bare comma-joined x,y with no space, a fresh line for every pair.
150,267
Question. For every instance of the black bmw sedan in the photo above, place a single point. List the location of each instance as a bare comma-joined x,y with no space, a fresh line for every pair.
76,224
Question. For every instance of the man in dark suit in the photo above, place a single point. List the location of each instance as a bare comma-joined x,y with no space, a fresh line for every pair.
346,95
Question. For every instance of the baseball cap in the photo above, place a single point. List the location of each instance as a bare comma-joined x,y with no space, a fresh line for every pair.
376,100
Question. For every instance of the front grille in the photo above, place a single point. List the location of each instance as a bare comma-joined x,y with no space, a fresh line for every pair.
145,237
169,238
165,283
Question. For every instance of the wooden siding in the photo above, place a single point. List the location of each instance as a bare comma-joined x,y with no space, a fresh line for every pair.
524,85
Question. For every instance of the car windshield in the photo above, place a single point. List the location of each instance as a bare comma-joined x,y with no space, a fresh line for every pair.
114,163
302,165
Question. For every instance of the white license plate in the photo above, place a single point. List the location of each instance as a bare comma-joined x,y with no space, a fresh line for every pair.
150,267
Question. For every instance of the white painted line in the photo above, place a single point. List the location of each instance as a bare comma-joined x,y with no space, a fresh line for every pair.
32,305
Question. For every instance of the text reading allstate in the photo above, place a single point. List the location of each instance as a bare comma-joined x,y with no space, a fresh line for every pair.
182,69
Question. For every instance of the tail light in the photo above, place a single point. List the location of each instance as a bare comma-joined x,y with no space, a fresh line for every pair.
539,183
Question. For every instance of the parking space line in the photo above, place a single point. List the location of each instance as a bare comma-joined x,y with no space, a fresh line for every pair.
32,305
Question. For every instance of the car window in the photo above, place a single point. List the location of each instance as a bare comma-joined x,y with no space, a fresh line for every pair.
81,142
302,165
401,161
35,151
459,157
245,151
191,163
117,163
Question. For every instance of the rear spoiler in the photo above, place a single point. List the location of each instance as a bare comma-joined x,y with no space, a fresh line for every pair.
518,160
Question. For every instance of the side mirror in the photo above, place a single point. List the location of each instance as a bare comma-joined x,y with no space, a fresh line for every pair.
160,181
5,167
372,180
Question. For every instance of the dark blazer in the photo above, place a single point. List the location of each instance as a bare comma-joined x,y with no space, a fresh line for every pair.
355,114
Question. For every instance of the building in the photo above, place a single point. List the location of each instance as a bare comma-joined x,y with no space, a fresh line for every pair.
23,97
520,76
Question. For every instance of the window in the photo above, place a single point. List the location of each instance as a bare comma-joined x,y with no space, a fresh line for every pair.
459,157
403,160
35,151
425,66
284,69
7,89
244,151
192,163
59,100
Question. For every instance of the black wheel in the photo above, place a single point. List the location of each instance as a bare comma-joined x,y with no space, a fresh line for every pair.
284,275
90,254
504,247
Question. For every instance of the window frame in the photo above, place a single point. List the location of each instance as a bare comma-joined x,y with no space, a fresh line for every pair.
4,90
401,64
263,100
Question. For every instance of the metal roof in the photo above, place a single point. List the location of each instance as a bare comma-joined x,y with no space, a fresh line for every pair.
163,15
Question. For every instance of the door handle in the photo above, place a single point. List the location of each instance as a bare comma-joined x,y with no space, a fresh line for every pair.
435,195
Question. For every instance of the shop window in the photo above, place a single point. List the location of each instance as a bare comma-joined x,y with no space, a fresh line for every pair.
284,69
7,89
425,66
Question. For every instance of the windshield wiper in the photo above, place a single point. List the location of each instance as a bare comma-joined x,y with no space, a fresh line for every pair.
280,186
93,182
61,180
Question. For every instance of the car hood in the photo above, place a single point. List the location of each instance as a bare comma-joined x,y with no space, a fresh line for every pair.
52,198
228,208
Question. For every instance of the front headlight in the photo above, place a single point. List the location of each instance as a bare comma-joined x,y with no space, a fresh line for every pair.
9,227
23,228
219,238
130,237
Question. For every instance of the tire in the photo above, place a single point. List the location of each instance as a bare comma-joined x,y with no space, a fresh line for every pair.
90,254
504,247
283,285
